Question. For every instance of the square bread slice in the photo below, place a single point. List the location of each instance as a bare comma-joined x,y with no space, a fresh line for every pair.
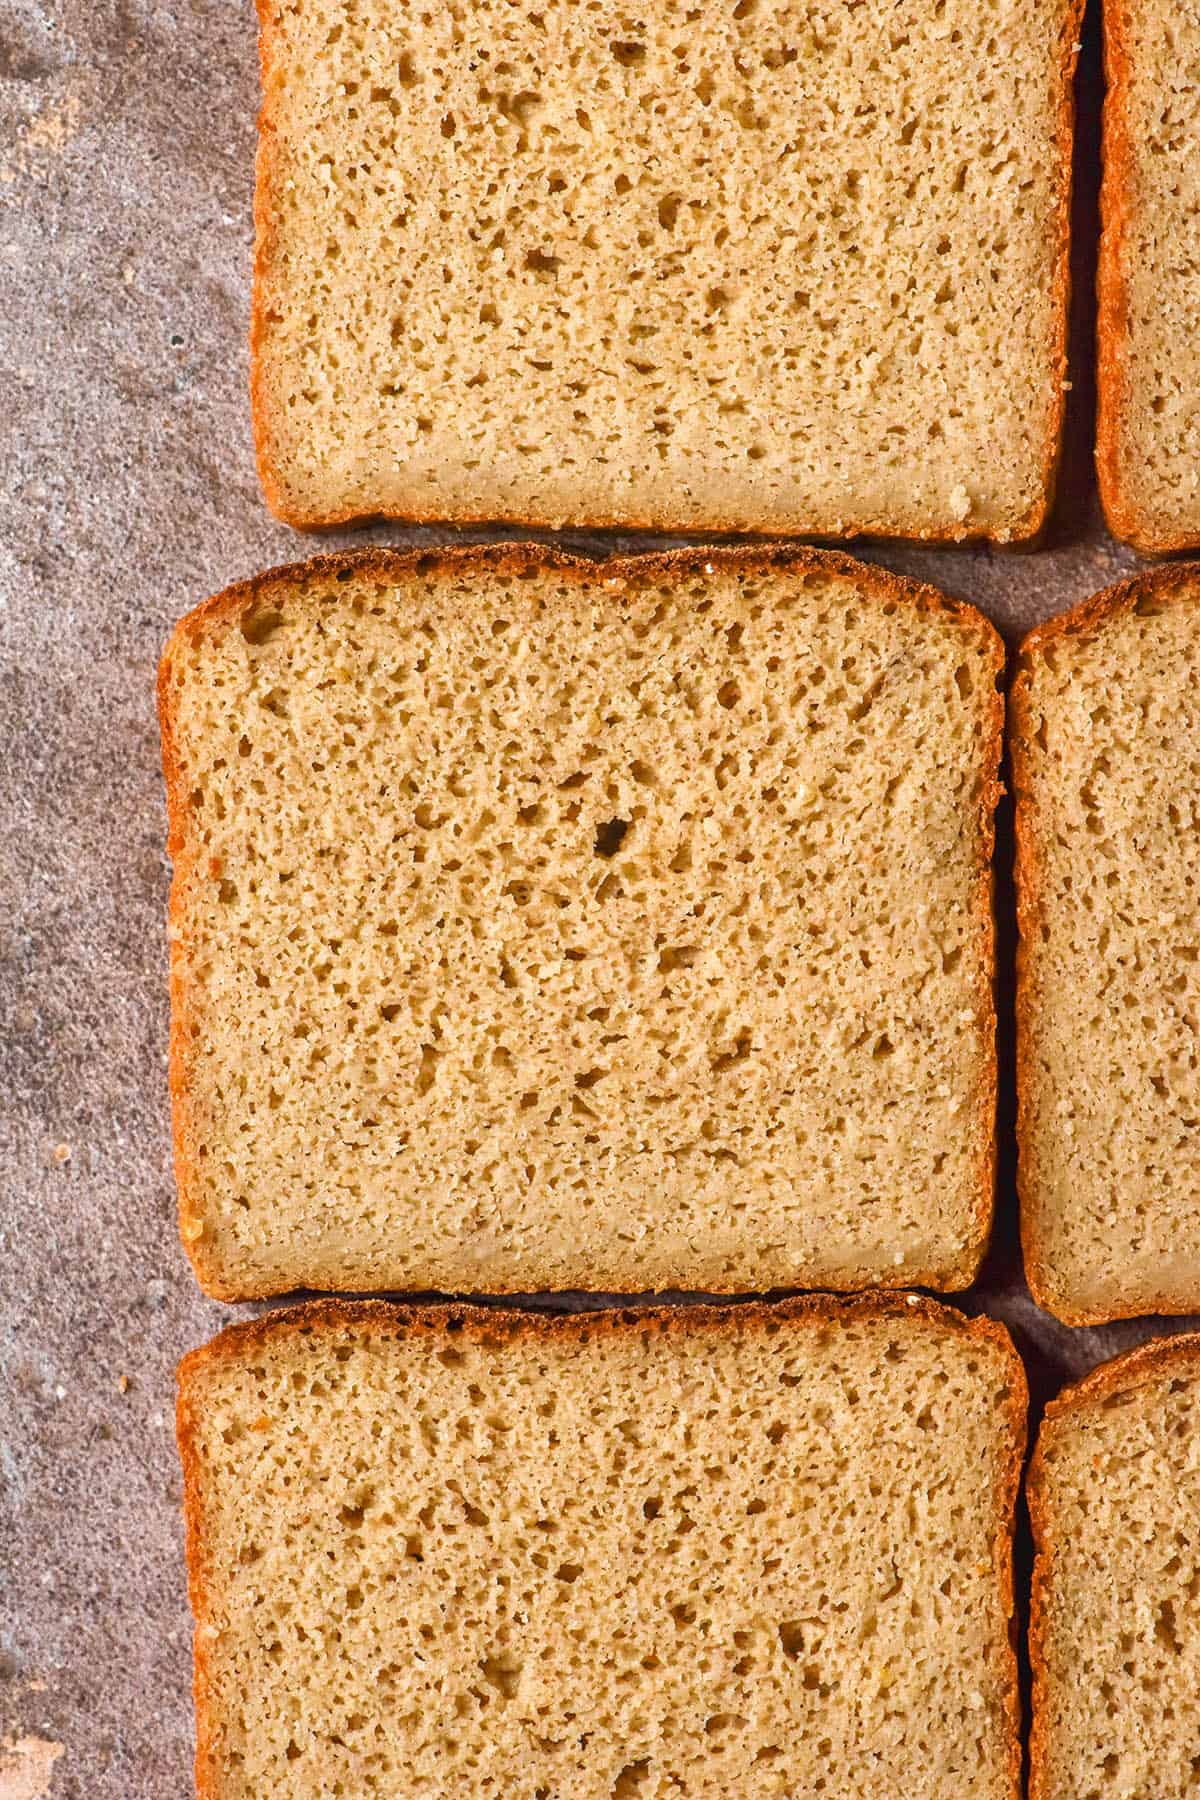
545,924
1106,765
1148,438
797,266
457,1553
1114,1496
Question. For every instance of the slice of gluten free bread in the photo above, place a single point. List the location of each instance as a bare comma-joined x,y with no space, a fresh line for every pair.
798,267
546,924
458,1552
1148,442
1106,762
1114,1495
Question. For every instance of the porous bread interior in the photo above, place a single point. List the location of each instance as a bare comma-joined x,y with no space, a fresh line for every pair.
786,266
1119,1697
1155,400
1110,1076
543,928
631,1562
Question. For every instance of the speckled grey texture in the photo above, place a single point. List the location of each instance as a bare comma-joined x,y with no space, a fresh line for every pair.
126,144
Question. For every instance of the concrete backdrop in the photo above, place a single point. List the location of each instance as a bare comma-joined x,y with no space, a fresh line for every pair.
129,493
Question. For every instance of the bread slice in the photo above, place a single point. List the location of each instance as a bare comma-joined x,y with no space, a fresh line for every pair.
1148,442
1115,1628
798,267
456,1552
542,924
1106,762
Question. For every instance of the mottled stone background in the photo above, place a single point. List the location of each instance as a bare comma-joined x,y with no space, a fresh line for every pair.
129,493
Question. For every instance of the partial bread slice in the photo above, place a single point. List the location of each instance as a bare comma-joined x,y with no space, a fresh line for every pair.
752,1551
1148,369
797,268
545,924
1106,765
1113,1494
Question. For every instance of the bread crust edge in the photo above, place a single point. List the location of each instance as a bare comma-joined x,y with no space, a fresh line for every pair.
1084,620
436,1320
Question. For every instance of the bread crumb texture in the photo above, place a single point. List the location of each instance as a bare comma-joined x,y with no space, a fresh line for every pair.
541,924
1150,273
1116,1485
601,1560
780,265
1107,721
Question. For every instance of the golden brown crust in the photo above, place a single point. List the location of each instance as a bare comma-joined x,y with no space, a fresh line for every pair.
1133,1368
1024,533
1176,584
1125,519
438,1319
393,565
1111,299
1162,1356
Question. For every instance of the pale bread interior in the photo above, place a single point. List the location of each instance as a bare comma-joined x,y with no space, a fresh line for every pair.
543,927
1153,404
1110,1073
631,1559
795,265
1119,1698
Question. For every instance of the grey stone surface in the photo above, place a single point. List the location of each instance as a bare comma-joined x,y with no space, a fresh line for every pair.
126,144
